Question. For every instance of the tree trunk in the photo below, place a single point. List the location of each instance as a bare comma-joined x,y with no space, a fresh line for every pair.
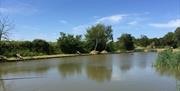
96,45
105,46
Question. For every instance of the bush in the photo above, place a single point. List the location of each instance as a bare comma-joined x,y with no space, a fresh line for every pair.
41,46
27,48
125,42
70,44
168,58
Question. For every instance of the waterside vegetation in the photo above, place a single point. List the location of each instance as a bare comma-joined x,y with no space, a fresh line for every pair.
97,39
168,59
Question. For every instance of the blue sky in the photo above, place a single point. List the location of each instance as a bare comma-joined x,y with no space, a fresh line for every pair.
44,19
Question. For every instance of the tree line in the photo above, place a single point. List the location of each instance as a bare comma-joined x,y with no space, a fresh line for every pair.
98,38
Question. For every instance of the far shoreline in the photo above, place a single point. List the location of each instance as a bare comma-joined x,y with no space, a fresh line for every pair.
14,59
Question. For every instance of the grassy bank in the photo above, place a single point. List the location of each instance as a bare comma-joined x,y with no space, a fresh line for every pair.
13,59
168,59
26,58
163,55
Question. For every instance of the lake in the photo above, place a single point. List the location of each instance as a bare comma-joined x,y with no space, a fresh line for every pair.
112,72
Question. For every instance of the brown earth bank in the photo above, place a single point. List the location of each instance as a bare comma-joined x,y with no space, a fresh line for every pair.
15,59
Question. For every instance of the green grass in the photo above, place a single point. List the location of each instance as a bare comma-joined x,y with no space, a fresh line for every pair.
168,59
23,53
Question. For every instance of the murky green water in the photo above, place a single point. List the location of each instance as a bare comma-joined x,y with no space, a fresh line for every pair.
115,72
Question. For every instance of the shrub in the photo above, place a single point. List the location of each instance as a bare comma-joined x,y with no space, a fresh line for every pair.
168,58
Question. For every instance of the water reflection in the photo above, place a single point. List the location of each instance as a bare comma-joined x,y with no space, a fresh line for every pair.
143,59
69,69
99,68
115,72
24,68
125,62
99,73
163,71
2,86
136,60
13,70
168,72
95,68
178,85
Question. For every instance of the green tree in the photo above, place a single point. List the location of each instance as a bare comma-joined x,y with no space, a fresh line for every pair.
25,45
41,46
55,48
98,37
169,40
70,43
143,41
177,36
111,47
156,42
125,42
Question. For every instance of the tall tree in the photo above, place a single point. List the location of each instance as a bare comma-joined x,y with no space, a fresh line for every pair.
177,36
156,42
125,42
99,36
41,46
70,43
5,27
169,39
144,41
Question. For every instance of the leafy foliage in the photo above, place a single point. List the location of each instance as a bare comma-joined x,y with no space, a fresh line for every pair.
169,40
97,37
70,43
143,41
111,47
27,48
41,46
177,35
168,59
125,42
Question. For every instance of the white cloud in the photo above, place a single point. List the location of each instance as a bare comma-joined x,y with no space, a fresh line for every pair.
63,21
133,23
170,24
114,19
79,30
18,8
6,10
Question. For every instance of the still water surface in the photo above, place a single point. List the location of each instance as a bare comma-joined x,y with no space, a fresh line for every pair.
113,72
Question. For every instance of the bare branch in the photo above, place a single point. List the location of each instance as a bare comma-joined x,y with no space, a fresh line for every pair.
5,27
